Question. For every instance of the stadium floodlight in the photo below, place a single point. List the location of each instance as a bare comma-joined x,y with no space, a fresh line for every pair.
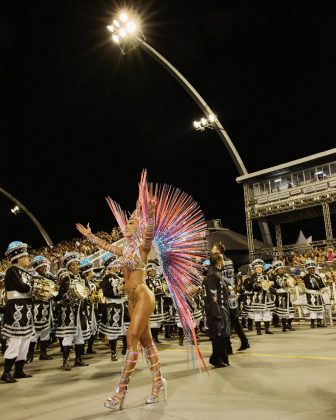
15,210
126,31
204,123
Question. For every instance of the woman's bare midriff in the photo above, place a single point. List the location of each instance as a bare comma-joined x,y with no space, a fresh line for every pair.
135,285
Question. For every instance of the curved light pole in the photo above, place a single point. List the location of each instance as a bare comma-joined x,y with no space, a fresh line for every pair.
200,102
41,229
125,33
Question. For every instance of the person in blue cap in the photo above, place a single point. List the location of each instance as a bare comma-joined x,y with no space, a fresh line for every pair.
18,320
72,320
284,307
88,275
42,312
315,304
115,304
263,297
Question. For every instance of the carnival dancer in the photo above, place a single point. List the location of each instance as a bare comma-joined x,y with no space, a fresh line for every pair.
18,319
42,311
314,283
284,307
88,277
147,223
72,321
263,297
114,306
154,283
217,311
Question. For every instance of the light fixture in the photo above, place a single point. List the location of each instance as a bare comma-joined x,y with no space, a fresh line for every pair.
15,210
126,31
204,123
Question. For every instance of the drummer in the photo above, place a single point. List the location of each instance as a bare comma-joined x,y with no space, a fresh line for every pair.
88,276
18,320
314,285
284,307
42,312
72,321
262,299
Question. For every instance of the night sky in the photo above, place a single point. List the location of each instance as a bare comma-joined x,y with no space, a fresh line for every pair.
79,121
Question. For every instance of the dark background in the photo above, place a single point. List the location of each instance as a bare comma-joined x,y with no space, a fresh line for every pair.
79,121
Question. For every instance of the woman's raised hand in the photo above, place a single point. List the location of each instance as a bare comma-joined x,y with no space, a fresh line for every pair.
151,207
83,230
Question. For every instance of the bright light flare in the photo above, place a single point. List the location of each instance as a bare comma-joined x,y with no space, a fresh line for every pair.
123,17
111,28
196,124
116,23
203,121
212,118
131,26
116,39
123,32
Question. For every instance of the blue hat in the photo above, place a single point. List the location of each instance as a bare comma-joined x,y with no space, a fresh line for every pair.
267,266
40,261
108,257
85,265
16,249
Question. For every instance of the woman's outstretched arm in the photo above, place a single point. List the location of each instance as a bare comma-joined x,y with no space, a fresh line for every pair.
149,233
86,231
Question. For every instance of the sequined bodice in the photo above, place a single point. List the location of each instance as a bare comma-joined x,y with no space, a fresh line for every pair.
133,261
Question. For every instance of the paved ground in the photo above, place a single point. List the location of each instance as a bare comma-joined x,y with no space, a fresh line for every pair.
284,376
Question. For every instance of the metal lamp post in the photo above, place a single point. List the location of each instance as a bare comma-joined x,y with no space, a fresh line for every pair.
18,204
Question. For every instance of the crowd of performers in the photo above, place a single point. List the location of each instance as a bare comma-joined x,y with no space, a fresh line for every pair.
86,304
83,305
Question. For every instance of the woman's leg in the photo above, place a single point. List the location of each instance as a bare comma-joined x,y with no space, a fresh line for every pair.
152,357
139,315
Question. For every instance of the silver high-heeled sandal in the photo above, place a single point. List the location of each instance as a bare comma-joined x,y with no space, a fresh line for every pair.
114,402
154,397
159,383
118,399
